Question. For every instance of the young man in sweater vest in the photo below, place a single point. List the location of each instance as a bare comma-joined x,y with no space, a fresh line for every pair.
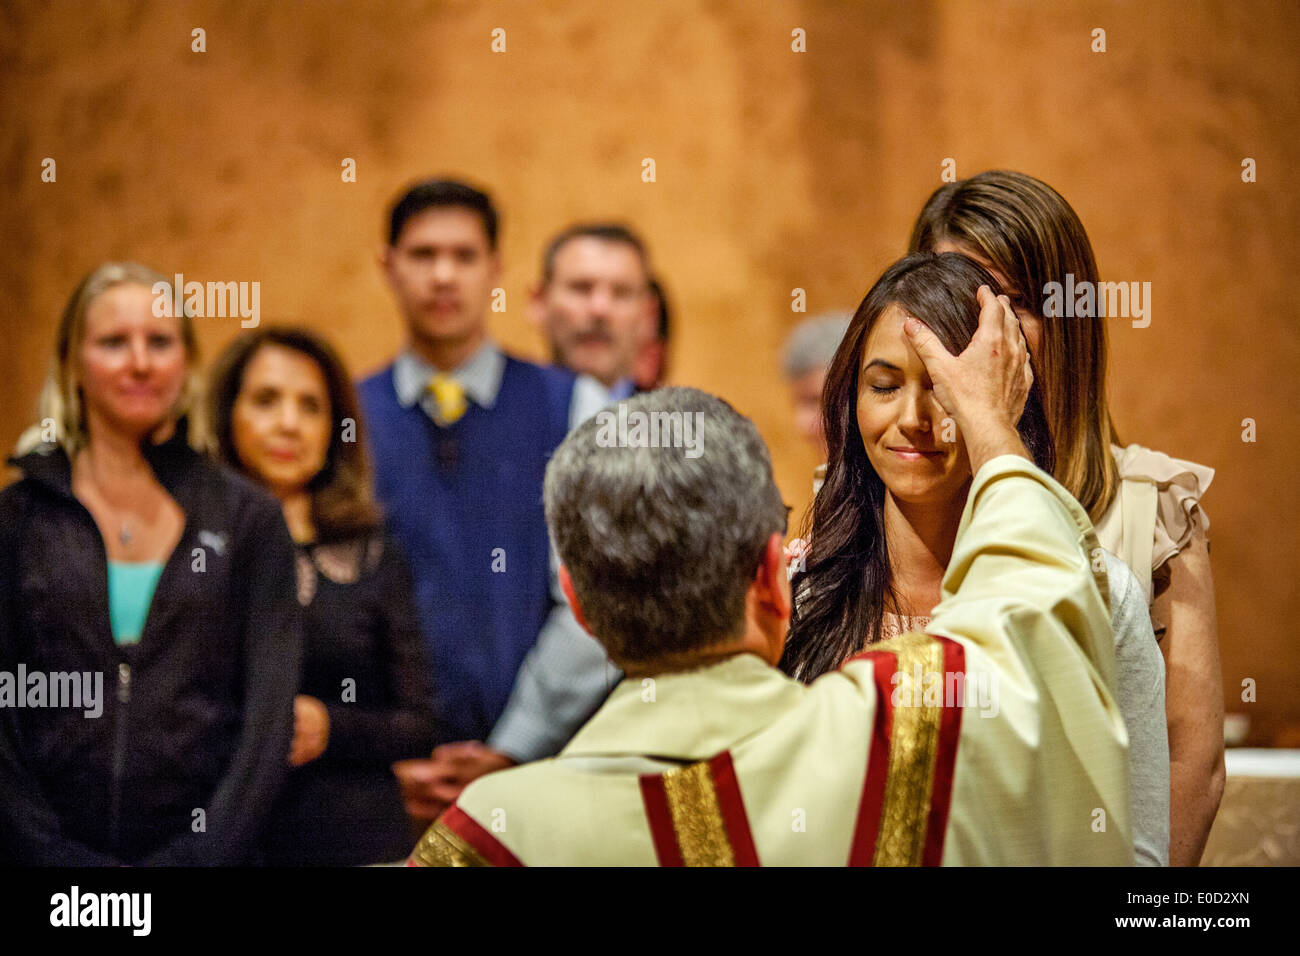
596,307
460,434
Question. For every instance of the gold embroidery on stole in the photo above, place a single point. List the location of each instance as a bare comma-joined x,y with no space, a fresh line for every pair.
697,817
441,847
913,749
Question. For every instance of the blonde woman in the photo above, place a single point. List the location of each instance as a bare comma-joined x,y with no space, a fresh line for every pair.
1144,503
163,583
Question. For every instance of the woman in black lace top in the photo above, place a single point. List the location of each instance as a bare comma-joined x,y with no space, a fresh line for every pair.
284,413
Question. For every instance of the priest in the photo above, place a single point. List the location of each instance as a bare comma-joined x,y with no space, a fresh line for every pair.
706,755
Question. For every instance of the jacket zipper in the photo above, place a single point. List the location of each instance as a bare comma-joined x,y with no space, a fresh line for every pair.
124,677
119,752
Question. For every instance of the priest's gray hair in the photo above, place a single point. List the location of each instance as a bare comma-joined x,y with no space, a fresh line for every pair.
662,545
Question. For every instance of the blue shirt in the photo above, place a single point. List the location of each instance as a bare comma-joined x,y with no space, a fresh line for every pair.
131,585
480,376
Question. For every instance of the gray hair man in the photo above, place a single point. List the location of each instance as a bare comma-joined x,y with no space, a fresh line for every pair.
807,355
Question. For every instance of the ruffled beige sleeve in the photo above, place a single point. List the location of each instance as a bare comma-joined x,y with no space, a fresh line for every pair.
1157,510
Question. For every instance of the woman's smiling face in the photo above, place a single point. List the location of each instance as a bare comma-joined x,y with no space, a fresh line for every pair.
133,362
281,421
909,439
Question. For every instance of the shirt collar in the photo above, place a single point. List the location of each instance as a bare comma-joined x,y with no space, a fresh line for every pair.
623,388
688,715
480,375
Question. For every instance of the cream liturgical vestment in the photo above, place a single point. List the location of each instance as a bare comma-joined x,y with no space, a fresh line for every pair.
994,738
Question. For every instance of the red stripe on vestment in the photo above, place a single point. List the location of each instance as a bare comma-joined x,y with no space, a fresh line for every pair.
867,828
468,829
732,805
954,662
660,819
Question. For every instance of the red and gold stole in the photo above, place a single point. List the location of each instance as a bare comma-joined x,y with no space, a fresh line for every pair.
903,814
697,816
457,839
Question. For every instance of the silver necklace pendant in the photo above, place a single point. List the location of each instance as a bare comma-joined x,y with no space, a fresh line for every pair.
125,534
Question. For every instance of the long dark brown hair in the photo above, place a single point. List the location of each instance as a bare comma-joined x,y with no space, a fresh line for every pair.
342,496
1031,235
846,585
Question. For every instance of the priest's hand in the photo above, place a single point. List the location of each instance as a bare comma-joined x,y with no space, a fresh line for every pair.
984,388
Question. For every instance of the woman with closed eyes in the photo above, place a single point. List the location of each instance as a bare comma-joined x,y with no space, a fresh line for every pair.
896,482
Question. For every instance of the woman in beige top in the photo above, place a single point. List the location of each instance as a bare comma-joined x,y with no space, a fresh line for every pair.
1146,505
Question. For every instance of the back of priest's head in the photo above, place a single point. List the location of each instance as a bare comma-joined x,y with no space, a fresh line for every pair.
661,508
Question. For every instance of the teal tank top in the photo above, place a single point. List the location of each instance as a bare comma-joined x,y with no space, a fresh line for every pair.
131,585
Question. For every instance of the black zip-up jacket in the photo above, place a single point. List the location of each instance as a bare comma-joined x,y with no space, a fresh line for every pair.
197,716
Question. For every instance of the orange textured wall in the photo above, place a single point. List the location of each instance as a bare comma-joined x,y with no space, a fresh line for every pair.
775,170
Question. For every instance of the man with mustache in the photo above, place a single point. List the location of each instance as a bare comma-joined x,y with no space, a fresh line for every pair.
594,302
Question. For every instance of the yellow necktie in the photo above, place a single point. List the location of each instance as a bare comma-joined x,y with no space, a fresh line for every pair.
450,396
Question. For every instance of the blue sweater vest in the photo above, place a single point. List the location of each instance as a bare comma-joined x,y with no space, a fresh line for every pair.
465,502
